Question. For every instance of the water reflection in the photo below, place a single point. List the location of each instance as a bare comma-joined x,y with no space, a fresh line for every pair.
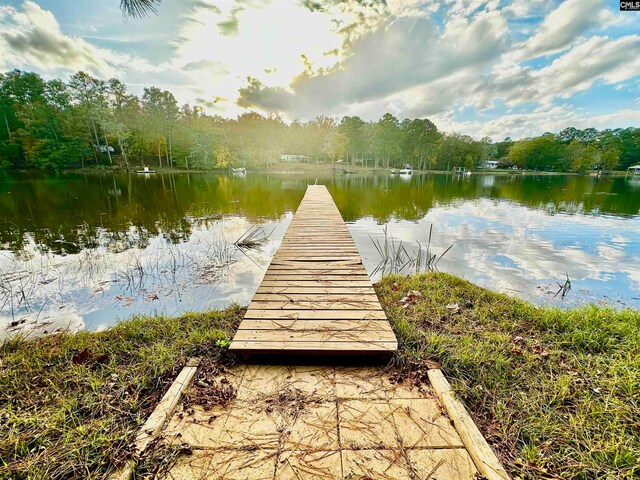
85,250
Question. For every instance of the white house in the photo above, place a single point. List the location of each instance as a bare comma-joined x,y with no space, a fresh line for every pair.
293,158
491,164
104,148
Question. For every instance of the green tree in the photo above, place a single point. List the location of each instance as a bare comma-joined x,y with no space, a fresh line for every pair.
335,146
582,157
420,140
609,159
223,157
160,113
454,150
352,128
389,139
468,163
539,153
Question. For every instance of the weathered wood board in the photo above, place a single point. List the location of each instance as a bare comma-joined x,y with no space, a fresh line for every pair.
316,296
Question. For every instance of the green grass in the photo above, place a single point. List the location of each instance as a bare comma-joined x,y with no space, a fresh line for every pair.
556,392
65,419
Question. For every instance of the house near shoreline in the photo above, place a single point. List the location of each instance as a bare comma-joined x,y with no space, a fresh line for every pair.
104,148
294,158
491,164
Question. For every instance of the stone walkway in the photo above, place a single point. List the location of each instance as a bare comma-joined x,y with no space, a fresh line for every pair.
315,423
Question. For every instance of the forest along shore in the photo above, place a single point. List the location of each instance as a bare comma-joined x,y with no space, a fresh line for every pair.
554,391
86,121
281,168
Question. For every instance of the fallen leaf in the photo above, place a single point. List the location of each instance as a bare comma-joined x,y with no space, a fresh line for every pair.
454,307
411,298
539,349
81,357
104,358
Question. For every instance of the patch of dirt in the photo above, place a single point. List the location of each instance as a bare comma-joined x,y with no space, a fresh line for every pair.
289,402
210,388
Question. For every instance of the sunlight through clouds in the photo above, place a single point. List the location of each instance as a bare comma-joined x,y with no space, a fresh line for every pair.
514,66
292,39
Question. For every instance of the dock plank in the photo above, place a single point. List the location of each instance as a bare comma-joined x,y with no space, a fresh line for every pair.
304,314
316,296
319,325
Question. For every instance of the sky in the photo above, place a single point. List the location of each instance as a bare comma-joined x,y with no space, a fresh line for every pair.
484,68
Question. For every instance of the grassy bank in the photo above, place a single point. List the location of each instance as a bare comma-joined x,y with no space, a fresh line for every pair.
70,405
556,392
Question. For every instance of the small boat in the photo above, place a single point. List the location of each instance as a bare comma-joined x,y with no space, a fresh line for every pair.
406,170
145,170
239,171
394,171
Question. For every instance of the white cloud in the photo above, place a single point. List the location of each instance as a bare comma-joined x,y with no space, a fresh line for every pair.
545,118
598,58
480,232
562,27
405,53
409,57
32,37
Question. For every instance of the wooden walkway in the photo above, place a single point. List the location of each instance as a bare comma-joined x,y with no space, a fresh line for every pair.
316,297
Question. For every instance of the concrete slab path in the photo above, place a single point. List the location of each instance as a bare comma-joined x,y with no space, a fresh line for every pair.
292,422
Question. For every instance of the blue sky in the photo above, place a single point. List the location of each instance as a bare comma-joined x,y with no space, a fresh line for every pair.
479,67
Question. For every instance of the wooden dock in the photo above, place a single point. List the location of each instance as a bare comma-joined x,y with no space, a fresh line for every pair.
316,297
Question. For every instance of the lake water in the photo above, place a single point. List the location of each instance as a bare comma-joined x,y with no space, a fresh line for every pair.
84,251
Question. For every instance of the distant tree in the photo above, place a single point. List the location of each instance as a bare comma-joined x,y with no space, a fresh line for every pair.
500,150
389,139
468,163
630,146
580,156
540,153
486,149
353,130
420,140
454,150
609,159
58,124
569,134
160,112
223,157
335,146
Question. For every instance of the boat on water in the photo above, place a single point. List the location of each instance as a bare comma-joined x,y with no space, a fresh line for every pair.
406,170
394,171
145,170
239,171
343,170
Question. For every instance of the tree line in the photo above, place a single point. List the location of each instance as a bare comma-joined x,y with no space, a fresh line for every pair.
88,121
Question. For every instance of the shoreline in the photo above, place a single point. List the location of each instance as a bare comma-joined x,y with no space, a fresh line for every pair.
302,169
494,349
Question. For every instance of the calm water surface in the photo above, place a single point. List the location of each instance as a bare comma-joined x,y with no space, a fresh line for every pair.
84,251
